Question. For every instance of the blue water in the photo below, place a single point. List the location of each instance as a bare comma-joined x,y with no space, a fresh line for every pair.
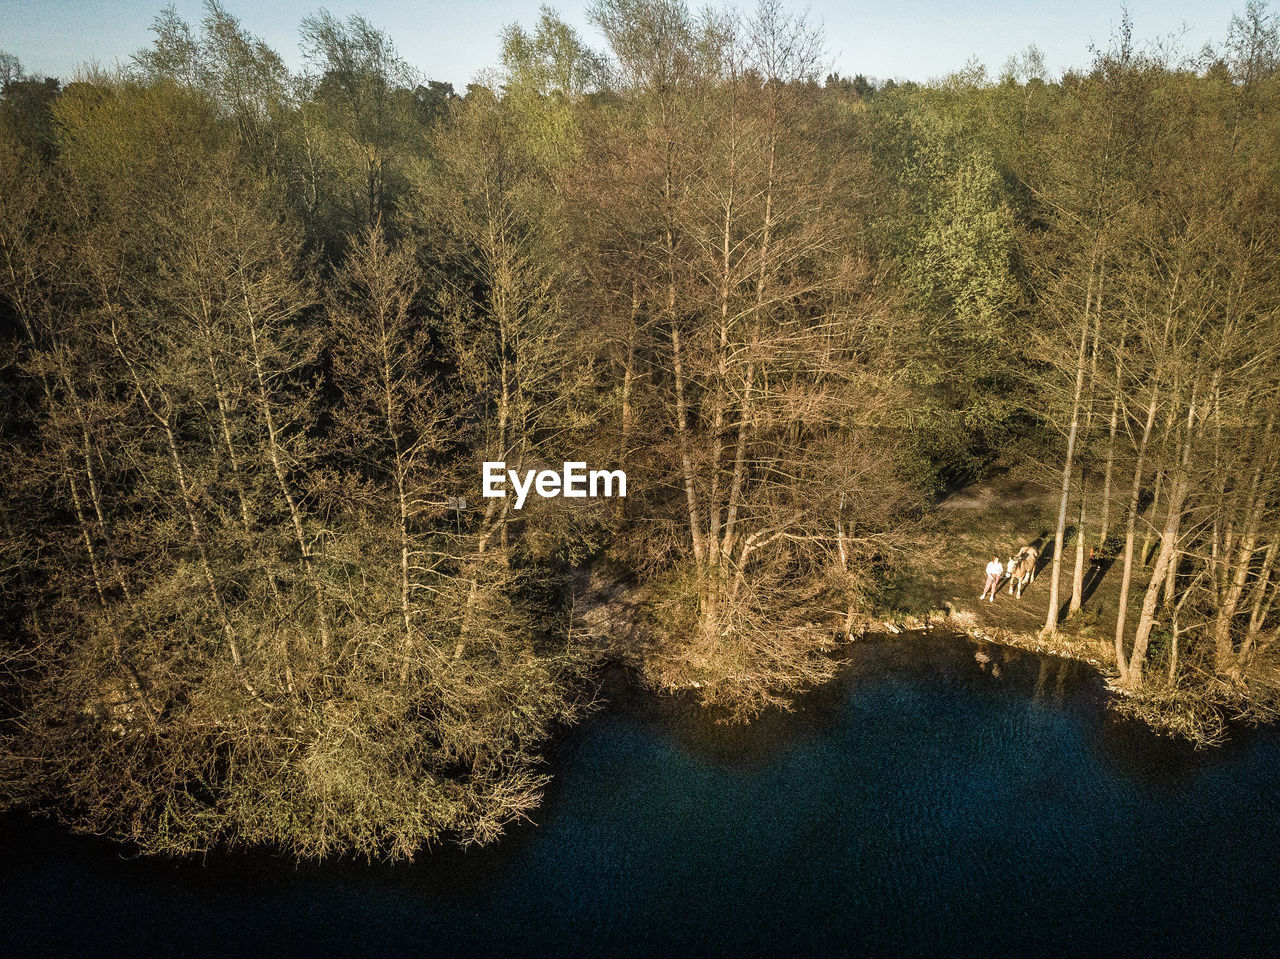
924,803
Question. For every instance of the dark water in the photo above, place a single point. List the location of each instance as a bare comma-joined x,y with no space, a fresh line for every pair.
924,803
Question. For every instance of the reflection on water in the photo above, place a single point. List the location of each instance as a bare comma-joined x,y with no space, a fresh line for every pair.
939,797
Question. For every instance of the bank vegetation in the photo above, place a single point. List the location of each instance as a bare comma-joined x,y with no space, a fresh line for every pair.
261,327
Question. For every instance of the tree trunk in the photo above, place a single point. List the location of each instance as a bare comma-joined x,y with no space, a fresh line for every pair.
1226,661
628,380
744,420
1051,618
1164,558
273,451
1145,553
1077,577
1170,580
1260,590
722,373
1178,485
1131,519
1105,524
677,360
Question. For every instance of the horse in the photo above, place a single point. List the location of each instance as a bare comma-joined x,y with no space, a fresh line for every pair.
1021,569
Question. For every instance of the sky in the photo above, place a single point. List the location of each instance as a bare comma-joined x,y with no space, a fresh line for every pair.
453,41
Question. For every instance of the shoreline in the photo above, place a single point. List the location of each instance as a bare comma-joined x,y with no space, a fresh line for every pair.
1202,717
964,621
621,690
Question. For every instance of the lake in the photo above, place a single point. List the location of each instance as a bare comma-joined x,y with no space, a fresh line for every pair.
940,797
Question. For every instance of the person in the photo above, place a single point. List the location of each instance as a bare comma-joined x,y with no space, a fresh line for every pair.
995,569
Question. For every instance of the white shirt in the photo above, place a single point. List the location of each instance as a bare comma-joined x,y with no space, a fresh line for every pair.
995,568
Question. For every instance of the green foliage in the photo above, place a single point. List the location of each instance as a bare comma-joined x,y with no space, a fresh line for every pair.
955,240
358,127
546,74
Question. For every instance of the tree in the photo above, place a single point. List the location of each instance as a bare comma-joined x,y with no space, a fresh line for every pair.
758,309
358,125
954,239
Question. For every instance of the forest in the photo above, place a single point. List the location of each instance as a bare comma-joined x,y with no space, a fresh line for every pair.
260,328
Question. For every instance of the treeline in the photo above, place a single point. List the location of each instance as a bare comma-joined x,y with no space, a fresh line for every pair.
1155,278
261,329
